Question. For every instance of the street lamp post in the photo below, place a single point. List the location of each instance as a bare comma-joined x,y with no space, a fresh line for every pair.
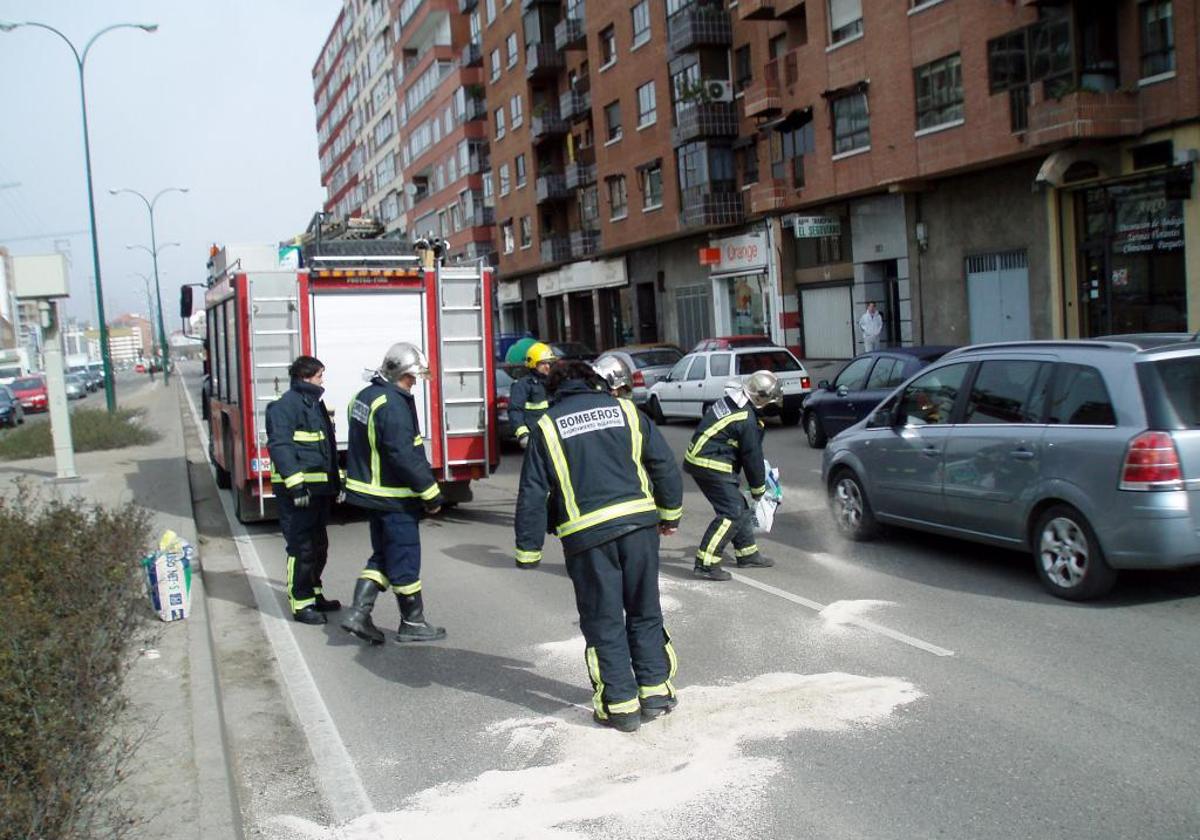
162,336
110,391
149,301
154,249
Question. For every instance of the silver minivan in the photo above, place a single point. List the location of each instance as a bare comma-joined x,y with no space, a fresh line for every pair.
1086,453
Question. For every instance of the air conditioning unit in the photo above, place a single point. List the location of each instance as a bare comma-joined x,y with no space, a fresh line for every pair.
718,90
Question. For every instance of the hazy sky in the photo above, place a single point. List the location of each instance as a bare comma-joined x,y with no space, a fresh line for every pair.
218,100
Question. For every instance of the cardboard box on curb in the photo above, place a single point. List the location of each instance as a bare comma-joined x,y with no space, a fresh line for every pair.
169,577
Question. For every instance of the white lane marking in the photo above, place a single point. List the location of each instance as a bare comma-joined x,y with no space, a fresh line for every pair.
335,771
856,621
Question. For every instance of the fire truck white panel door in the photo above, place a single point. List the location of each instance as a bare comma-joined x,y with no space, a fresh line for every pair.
351,333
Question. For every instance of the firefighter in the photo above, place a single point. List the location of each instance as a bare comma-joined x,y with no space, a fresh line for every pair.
387,473
616,376
527,400
601,475
728,441
304,477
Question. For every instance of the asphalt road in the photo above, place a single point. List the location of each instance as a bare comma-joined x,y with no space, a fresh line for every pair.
913,687
128,383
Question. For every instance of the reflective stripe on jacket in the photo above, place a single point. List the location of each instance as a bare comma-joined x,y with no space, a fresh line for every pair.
386,468
527,402
596,468
300,438
729,440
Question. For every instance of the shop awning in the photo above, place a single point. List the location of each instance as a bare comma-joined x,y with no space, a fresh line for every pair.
1054,168
792,119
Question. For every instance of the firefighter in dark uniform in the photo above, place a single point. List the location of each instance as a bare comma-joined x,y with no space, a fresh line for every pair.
728,441
304,478
527,399
387,473
599,473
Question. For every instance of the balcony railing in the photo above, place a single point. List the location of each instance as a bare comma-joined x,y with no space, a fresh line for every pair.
756,10
476,109
696,28
555,248
1083,115
571,32
704,119
465,6
552,188
575,104
580,174
584,243
480,161
711,205
542,60
480,217
547,125
762,99
472,54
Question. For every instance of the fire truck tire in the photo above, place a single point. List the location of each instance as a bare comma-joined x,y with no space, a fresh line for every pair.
224,479
245,506
456,492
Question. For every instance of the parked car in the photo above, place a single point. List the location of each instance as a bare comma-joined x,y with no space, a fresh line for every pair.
11,413
698,380
95,372
1081,452
573,350
139,368
859,387
503,386
31,392
81,372
648,363
76,387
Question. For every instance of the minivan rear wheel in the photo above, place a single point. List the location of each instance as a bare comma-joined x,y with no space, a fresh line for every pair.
851,510
1067,556
814,431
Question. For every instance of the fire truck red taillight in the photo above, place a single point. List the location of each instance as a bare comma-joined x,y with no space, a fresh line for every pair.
1152,463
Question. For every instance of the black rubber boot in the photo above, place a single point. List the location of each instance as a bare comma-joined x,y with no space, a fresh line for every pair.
413,626
712,572
358,619
658,706
309,615
626,722
327,604
755,560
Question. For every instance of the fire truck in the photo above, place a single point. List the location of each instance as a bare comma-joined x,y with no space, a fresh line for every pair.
346,301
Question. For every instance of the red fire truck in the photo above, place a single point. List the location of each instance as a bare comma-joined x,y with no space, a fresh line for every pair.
346,302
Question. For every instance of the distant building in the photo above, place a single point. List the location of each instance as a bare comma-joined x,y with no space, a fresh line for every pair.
8,303
140,325
125,344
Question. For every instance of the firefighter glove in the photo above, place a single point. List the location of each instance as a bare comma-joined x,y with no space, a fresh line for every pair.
523,440
300,496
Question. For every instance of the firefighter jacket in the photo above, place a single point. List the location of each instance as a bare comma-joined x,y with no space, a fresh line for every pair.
596,468
386,468
300,439
729,440
527,402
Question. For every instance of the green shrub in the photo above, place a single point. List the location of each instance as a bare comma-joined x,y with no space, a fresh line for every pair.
92,429
73,605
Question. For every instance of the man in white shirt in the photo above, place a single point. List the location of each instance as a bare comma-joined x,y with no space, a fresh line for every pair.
871,324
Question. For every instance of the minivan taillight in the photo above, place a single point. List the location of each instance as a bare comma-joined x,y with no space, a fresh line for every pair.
639,381
1152,463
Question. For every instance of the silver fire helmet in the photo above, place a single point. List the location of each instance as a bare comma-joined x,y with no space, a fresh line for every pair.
762,388
615,373
404,359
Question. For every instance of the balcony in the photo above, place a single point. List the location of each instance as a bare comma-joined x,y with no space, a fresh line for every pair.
699,27
1083,115
480,217
704,119
584,243
766,196
762,99
570,33
580,174
555,248
756,10
548,125
785,9
472,55
711,205
467,6
552,188
479,161
542,61
476,109
575,105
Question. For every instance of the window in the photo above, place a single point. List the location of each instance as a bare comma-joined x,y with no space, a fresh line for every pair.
749,164
1080,398
845,19
854,376
504,182
618,200
678,372
526,232
589,205
608,46
506,233
696,372
777,46
1007,66
887,373
641,23
491,11
510,49
499,123
519,164
516,110
1008,392
851,123
647,106
719,364
743,73
612,121
789,144
495,64
1158,38
939,92
652,187
929,399
776,361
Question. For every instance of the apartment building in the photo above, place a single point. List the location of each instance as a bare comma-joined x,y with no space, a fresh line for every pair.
983,170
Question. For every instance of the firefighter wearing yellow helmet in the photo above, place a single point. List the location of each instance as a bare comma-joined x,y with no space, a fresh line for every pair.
528,400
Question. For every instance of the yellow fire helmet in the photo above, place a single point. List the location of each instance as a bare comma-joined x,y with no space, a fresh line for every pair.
538,353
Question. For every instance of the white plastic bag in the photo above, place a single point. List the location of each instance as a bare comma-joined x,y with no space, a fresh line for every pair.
764,508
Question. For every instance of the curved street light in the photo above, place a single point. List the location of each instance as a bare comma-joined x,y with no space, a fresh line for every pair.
154,249
162,332
110,391
149,298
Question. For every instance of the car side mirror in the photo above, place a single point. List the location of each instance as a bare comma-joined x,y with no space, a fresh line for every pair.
185,302
842,391
824,385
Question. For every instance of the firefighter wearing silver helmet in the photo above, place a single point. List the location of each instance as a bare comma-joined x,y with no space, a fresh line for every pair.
616,375
728,441
387,473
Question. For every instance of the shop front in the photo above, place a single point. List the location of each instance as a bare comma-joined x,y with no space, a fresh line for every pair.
512,311
740,284
589,302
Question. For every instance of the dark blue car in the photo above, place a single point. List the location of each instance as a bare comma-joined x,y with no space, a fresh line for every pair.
860,386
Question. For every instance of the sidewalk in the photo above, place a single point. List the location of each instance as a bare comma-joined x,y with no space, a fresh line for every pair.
179,782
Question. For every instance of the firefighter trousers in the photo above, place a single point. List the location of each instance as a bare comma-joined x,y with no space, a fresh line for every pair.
734,521
629,654
307,545
396,550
